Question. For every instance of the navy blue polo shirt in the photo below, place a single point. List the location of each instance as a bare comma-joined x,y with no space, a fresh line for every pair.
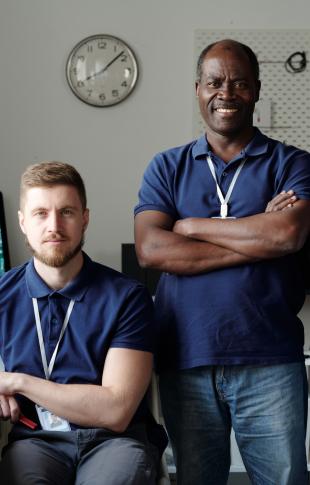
110,310
239,315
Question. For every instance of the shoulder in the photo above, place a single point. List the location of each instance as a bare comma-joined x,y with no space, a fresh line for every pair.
13,276
126,306
174,155
165,164
116,284
12,282
283,151
290,167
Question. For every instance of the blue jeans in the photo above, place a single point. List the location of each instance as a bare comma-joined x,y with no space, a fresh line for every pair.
265,405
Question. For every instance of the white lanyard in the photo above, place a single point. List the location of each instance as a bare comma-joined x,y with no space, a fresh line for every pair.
224,200
49,368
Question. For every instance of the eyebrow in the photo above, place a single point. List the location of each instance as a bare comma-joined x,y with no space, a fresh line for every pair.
42,208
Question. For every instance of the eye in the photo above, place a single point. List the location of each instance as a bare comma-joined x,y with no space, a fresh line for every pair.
67,212
241,85
213,84
40,213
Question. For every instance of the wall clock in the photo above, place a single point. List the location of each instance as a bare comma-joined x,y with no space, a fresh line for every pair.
102,70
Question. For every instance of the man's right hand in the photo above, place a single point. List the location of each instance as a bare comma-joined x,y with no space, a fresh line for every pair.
284,200
9,408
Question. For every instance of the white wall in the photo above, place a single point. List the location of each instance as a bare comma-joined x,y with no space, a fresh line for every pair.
40,119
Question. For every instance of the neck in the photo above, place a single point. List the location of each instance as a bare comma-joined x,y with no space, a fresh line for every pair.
58,278
227,147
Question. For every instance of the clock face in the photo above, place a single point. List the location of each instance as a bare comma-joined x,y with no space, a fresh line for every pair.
102,70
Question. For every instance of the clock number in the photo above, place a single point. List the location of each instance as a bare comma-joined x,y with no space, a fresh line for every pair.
89,92
102,44
80,84
123,58
81,58
115,93
89,48
124,83
102,96
75,71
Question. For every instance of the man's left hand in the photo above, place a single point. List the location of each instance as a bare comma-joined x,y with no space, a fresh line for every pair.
282,201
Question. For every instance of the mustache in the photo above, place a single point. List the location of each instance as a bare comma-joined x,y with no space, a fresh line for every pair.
55,236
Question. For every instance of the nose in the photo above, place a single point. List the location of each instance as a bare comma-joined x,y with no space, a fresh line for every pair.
54,221
227,91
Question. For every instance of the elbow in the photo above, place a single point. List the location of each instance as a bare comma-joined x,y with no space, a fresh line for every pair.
294,239
118,424
145,255
119,416
118,427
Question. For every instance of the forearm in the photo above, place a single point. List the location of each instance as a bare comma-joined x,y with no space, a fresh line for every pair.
266,235
82,404
166,251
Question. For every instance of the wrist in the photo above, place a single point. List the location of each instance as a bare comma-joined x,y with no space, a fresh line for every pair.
19,383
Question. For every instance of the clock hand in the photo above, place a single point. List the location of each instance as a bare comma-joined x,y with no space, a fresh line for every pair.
104,68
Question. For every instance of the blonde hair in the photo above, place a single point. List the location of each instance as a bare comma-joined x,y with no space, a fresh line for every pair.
48,174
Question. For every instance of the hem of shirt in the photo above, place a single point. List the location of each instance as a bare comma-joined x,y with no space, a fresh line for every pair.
262,360
153,207
121,345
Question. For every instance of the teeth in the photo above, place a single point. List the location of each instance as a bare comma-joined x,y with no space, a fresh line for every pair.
226,110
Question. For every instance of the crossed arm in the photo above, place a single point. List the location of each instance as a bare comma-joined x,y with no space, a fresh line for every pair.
125,379
263,236
196,245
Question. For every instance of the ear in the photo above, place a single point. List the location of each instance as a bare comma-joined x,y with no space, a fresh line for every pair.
85,219
21,220
258,86
197,88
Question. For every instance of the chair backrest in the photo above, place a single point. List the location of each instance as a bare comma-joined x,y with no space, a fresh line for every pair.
5,427
154,403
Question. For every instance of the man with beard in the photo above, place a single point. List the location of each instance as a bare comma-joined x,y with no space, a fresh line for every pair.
230,342
76,341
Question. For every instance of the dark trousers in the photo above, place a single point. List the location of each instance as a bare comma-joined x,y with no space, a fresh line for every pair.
83,456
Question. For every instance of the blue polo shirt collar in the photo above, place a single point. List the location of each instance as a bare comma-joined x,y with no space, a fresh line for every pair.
257,146
75,290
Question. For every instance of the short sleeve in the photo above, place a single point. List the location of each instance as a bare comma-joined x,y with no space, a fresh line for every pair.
135,322
296,174
156,192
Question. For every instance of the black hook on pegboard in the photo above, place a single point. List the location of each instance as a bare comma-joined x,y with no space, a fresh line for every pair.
296,62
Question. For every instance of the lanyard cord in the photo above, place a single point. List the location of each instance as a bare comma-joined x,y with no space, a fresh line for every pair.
49,368
224,200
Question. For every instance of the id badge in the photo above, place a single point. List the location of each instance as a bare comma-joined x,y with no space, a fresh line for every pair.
220,217
51,422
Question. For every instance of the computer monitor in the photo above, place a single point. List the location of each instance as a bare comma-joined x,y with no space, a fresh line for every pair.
4,249
130,266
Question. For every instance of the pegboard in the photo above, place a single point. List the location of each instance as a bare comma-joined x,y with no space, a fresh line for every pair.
289,94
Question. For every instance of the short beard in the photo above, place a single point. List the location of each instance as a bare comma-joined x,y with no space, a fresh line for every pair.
58,259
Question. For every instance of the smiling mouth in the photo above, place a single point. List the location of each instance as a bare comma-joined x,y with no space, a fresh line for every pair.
226,110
